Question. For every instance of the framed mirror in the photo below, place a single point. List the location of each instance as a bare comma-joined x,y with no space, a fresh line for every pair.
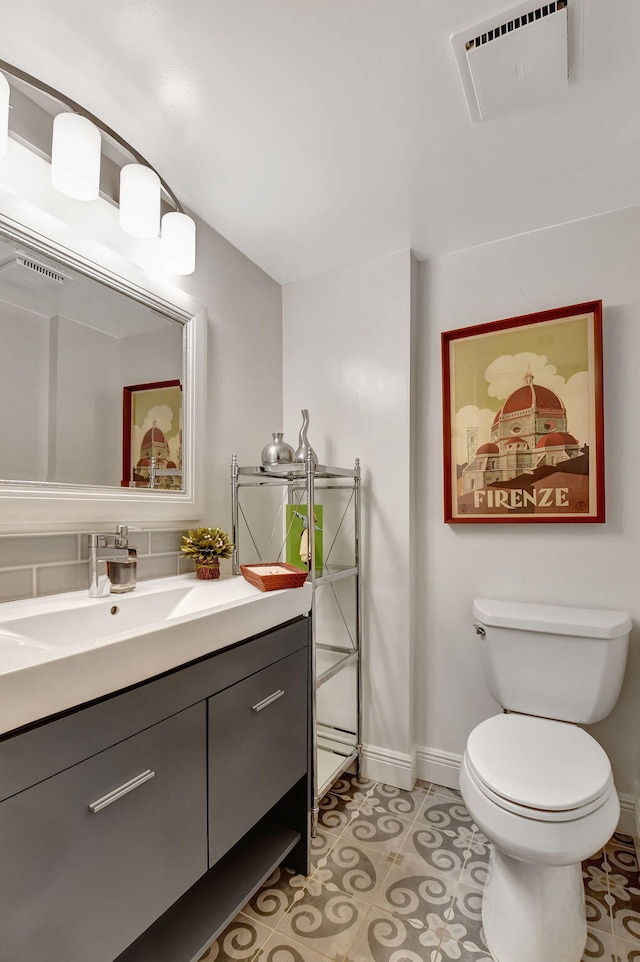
98,381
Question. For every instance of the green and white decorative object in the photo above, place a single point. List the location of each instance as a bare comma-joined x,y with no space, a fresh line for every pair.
206,546
297,541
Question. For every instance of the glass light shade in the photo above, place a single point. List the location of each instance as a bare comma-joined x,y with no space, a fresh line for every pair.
75,157
178,243
5,91
139,201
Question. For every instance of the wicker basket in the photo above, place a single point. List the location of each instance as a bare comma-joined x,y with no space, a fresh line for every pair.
264,577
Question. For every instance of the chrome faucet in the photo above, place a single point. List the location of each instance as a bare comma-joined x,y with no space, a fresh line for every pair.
112,563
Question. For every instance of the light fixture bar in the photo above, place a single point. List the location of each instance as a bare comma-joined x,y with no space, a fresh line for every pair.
83,112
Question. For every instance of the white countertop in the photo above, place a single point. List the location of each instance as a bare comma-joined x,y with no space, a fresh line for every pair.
63,650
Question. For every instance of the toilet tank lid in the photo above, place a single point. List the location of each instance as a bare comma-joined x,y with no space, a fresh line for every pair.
555,619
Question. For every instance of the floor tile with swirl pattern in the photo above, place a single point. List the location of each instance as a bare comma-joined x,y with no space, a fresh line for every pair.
398,876
239,942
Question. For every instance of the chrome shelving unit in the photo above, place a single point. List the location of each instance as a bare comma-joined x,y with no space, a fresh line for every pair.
336,636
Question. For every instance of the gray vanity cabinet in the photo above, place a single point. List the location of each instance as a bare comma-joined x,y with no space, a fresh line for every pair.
83,884
135,827
266,714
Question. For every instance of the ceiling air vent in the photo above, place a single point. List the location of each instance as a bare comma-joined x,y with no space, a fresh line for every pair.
514,58
29,271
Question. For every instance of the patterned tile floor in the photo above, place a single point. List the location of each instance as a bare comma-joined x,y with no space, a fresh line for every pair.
397,877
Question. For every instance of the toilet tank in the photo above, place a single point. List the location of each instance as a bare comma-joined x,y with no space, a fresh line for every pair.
551,661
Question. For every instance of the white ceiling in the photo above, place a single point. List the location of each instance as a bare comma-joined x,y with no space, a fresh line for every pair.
317,133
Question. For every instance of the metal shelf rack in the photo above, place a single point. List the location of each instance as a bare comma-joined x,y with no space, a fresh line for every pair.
335,745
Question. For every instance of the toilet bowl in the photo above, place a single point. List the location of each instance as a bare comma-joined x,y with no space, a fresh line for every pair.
542,792
538,786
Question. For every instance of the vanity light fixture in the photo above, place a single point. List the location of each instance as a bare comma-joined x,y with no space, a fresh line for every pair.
140,201
75,171
178,243
76,149
5,91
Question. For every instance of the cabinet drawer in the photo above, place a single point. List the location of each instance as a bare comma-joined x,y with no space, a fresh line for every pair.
258,748
79,884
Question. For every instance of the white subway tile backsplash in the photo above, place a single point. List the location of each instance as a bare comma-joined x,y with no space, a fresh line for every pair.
51,579
165,541
157,566
16,584
186,564
44,564
140,541
17,550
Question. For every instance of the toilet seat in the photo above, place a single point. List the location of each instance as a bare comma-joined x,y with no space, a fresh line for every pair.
538,768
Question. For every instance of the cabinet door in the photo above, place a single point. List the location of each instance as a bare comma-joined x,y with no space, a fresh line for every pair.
91,857
258,748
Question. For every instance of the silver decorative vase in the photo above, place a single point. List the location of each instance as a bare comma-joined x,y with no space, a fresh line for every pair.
304,448
277,451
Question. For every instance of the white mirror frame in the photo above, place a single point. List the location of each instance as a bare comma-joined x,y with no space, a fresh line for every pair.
51,506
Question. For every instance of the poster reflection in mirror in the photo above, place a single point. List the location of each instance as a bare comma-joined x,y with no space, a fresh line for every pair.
152,436
523,419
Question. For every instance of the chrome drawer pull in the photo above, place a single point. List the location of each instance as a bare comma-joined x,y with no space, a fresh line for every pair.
269,700
123,790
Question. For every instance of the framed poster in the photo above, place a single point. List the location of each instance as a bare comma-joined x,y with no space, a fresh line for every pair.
152,435
523,419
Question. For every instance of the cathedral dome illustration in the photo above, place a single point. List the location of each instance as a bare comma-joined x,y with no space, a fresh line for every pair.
556,439
156,467
533,396
528,432
154,445
154,436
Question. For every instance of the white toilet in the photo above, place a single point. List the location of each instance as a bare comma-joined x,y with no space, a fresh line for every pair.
540,788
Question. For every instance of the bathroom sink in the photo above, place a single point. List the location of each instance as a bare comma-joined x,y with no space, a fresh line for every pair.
64,650
67,628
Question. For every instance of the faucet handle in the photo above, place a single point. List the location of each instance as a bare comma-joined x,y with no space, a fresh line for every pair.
122,533
98,539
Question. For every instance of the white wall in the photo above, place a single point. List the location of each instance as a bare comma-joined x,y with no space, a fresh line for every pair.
24,394
346,350
583,565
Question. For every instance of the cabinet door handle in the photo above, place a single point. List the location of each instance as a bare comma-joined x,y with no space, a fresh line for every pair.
269,700
117,793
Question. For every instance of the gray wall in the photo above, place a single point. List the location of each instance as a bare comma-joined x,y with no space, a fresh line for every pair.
85,407
244,362
24,395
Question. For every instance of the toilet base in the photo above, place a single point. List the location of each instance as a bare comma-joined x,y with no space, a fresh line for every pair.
532,912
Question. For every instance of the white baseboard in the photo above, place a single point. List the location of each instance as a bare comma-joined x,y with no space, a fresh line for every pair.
392,768
629,822
443,768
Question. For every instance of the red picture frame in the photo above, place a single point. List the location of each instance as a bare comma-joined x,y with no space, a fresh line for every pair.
142,436
523,419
